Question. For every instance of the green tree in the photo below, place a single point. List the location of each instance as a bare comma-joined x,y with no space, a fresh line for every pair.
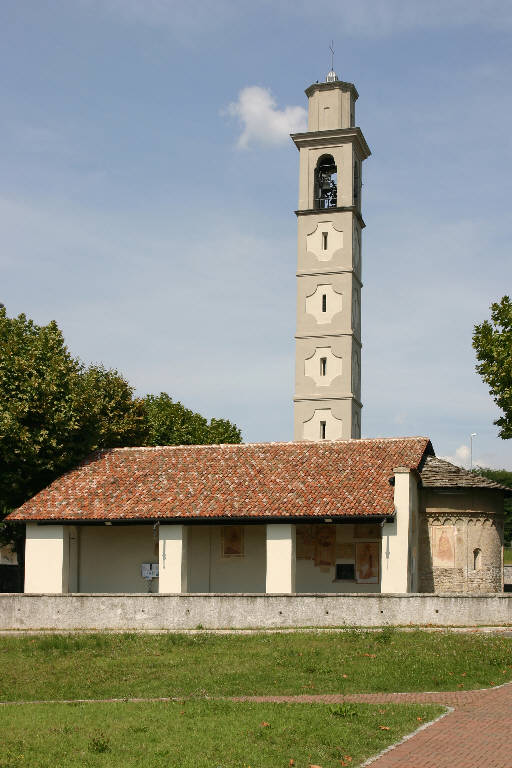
170,423
503,477
53,412
493,344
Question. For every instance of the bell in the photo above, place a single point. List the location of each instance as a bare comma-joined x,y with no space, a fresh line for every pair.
325,183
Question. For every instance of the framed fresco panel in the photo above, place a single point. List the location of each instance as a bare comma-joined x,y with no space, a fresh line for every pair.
443,546
367,562
325,545
232,541
305,543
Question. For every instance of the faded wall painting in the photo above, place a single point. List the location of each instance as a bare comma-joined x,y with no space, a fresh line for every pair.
345,551
367,562
443,546
365,531
305,542
325,546
232,541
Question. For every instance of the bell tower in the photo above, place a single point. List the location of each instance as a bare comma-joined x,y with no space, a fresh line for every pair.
327,402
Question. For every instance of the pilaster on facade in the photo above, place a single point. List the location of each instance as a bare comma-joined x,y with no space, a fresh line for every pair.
327,401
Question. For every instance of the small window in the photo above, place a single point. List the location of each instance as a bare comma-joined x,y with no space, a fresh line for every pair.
356,183
324,240
477,559
323,366
323,425
345,572
324,302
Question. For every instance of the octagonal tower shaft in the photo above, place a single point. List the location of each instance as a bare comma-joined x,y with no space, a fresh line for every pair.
327,401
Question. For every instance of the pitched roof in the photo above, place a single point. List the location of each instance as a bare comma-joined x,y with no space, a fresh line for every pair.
438,473
266,480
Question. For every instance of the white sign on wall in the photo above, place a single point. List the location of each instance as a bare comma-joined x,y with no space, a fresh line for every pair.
149,570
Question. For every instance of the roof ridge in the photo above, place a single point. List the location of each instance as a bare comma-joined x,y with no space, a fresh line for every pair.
357,440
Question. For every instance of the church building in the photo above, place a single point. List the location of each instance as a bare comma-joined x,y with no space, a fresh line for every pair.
329,512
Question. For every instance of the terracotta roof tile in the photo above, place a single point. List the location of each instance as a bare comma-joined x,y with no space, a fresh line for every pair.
265,480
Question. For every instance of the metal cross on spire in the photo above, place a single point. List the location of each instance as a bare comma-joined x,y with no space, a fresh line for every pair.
332,76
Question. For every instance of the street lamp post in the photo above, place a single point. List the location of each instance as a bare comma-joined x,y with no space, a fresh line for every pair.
472,435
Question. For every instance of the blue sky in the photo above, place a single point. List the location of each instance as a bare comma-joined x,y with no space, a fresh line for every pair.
148,188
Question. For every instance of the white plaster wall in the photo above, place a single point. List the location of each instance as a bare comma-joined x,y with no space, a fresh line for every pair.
333,303
395,557
281,564
208,571
342,409
341,257
338,288
333,426
111,556
173,558
333,366
324,110
307,366
314,241
46,558
330,108
414,532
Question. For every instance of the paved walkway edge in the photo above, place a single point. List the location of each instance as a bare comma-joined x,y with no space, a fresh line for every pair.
408,736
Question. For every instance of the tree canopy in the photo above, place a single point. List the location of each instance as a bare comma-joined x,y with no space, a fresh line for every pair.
503,477
170,423
493,344
54,411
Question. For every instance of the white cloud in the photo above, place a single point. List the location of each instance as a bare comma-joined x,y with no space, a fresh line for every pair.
461,457
262,122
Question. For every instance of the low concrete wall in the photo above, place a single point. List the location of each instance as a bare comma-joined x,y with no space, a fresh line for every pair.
218,611
507,574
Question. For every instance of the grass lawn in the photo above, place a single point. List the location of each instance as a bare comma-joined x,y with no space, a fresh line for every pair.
507,556
109,665
199,733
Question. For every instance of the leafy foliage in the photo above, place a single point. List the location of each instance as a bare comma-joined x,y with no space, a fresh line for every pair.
54,411
503,477
170,423
493,344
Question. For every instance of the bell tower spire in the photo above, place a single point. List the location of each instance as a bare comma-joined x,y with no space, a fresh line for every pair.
327,402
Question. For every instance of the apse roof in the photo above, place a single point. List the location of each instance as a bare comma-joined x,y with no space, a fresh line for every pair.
438,473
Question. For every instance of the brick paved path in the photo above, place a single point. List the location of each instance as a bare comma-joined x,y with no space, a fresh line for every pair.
477,733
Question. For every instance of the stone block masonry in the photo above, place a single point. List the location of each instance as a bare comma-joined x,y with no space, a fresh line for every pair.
247,611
